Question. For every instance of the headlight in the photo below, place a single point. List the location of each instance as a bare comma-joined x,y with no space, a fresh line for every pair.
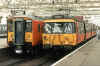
18,51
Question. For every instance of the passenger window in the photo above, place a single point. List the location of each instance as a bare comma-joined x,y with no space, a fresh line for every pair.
38,27
81,28
28,27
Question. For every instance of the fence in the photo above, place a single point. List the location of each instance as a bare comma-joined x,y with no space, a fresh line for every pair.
3,29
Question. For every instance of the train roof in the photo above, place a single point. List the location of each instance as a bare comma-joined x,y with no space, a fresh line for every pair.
65,18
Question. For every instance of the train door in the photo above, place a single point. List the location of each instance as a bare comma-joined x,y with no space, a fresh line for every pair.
19,32
35,33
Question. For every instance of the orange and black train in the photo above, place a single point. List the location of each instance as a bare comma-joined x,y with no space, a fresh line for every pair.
66,32
24,33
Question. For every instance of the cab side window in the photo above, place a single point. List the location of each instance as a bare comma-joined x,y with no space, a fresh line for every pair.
81,28
38,27
10,26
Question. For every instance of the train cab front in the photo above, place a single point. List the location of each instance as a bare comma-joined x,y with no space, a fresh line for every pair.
59,33
19,34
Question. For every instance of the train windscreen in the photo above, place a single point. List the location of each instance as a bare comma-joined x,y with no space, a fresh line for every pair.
28,26
10,26
59,28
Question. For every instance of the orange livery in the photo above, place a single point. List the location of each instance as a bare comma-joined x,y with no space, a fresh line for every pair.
63,31
24,33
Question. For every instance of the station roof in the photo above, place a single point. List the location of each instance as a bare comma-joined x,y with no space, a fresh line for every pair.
46,7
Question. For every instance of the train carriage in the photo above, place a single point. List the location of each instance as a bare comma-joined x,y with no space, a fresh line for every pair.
24,33
61,31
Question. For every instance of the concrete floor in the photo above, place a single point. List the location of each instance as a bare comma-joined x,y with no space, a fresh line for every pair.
89,55
3,42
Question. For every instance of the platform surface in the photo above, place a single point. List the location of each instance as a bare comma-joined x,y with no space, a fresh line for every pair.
3,43
88,55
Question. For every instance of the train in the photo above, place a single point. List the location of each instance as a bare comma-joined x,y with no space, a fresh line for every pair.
24,33
61,31
28,34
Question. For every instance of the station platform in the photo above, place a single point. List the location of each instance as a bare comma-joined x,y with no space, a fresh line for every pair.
3,35
87,55
3,43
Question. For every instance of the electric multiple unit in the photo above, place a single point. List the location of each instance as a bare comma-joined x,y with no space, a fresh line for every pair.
24,33
61,31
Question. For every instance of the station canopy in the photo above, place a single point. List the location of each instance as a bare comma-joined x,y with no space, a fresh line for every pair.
50,7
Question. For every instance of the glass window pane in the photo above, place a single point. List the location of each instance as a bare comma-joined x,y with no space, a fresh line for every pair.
61,27
10,26
47,28
28,27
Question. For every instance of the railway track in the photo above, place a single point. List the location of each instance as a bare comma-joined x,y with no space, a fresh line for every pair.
45,58
42,59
